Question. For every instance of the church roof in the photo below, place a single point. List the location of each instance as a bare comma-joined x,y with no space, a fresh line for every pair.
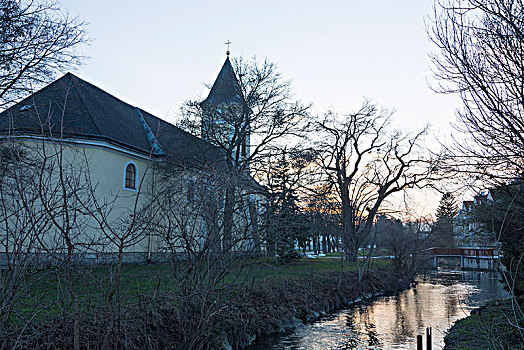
467,205
226,88
72,107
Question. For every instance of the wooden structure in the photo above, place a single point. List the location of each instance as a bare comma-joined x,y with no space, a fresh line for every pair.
480,258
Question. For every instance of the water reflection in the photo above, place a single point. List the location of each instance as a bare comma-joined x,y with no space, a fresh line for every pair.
361,332
439,299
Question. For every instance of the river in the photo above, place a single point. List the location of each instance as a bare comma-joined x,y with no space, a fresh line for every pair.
439,299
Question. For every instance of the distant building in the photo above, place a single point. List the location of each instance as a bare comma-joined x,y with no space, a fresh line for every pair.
467,230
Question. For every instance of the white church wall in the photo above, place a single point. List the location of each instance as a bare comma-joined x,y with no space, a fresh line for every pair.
88,179
93,173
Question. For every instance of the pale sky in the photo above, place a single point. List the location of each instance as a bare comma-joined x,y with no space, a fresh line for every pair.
156,54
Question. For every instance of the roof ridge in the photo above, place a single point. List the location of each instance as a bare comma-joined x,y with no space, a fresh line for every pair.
83,102
112,96
173,125
153,141
134,107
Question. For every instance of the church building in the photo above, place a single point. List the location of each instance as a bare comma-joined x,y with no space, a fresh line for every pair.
72,127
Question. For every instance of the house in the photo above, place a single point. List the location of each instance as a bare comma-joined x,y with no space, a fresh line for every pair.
467,230
84,171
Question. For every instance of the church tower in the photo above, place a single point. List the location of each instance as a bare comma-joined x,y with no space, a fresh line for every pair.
226,115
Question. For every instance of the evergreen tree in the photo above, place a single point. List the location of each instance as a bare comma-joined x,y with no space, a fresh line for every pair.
286,221
447,208
446,211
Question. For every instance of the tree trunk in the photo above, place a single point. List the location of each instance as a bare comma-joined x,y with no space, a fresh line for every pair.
329,243
254,226
112,291
348,233
76,308
349,244
229,209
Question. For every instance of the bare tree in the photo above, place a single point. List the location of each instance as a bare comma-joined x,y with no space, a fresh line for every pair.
23,220
61,193
480,49
54,220
323,210
480,57
123,220
365,164
43,226
403,240
189,226
37,41
259,112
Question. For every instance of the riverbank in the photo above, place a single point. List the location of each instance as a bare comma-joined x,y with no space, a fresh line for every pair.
487,327
279,307
273,299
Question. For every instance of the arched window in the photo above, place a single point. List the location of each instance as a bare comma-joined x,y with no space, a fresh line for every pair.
130,177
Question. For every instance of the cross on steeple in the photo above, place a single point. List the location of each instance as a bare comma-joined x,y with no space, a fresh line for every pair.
227,43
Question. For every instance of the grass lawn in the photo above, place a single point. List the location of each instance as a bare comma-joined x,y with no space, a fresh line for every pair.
269,268
47,290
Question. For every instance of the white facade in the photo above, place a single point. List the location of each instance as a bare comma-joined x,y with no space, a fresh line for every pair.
102,214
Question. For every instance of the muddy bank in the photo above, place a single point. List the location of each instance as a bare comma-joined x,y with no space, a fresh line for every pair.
487,327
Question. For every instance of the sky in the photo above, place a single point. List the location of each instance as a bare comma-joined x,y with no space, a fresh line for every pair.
156,54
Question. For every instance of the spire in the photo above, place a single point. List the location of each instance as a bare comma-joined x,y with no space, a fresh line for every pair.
224,110
226,88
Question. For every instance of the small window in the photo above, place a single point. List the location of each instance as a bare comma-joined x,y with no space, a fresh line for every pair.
130,180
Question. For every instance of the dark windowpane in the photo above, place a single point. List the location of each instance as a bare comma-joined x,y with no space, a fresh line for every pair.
130,176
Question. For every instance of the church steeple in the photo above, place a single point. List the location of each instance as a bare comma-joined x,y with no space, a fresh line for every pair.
226,88
226,115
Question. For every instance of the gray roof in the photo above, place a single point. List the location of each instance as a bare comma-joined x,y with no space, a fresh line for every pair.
72,107
226,88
